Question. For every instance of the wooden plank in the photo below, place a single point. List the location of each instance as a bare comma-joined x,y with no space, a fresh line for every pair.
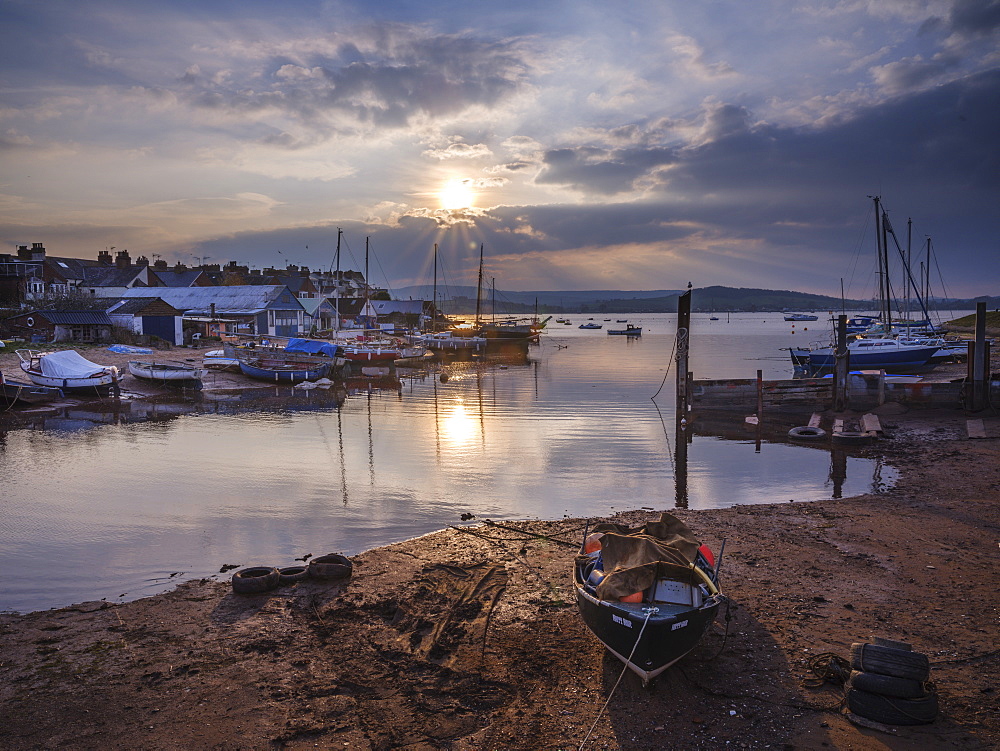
838,426
870,424
975,428
814,420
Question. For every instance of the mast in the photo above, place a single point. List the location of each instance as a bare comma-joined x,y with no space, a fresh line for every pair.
906,276
336,282
367,288
479,285
435,320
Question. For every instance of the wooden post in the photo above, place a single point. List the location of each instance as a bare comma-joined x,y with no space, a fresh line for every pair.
841,366
683,337
979,364
760,395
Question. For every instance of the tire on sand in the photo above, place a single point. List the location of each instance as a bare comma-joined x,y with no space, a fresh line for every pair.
887,685
331,566
807,433
891,710
872,658
292,574
255,579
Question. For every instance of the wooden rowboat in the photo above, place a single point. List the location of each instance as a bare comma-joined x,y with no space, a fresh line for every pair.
167,373
648,594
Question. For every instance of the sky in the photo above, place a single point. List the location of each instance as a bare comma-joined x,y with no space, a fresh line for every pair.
583,145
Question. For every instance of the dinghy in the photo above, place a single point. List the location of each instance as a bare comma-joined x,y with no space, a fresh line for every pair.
648,594
68,370
167,373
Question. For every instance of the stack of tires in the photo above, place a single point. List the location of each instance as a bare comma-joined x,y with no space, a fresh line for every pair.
889,684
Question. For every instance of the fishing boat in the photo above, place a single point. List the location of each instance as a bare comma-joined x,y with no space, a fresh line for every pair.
801,317
24,392
590,326
648,594
68,370
167,373
629,330
276,369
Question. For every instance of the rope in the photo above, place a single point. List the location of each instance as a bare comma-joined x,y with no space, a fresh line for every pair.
673,353
827,668
649,613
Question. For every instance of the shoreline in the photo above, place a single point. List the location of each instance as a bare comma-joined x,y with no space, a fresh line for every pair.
471,639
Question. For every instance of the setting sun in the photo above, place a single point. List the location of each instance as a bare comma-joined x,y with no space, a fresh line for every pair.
457,194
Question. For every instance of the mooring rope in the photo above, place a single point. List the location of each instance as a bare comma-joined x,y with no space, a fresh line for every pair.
649,613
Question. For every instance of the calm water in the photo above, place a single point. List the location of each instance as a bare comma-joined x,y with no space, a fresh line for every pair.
123,504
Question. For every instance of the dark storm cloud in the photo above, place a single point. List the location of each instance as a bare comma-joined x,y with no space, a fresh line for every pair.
975,17
401,76
601,171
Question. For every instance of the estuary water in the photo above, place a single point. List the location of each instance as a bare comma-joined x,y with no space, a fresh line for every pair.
126,502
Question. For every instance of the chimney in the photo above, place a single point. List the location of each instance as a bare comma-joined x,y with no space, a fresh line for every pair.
160,264
104,258
37,252
122,260
142,261
23,253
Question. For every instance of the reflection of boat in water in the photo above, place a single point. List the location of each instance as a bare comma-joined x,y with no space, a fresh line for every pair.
167,373
22,392
648,594
68,370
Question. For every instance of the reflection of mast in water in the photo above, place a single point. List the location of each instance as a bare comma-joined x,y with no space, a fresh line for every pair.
838,471
680,462
437,424
371,447
482,416
343,465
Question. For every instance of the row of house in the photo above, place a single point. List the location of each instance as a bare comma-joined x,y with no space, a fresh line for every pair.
175,303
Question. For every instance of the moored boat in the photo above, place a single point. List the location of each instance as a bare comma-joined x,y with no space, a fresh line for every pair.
801,317
885,354
590,326
167,373
278,370
68,370
629,330
648,594
23,392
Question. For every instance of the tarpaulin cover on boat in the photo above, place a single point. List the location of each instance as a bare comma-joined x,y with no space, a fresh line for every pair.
312,347
69,364
635,558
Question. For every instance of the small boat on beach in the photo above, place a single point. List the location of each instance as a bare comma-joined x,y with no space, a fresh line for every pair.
26,393
279,370
629,330
167,373
68,370
218,359
648,594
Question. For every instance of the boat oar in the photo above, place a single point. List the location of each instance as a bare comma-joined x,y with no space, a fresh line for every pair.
718,563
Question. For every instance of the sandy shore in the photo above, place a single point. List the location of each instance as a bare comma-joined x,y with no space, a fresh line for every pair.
470,639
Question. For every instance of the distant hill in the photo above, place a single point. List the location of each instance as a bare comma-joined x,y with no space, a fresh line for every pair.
462,300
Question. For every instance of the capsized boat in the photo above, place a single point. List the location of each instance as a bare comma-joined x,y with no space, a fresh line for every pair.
648,594
68,370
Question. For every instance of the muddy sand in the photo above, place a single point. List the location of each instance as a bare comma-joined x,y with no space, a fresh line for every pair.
470,638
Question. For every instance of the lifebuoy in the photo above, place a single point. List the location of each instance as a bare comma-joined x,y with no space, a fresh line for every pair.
807,433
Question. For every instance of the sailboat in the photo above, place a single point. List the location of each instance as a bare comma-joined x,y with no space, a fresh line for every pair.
876,351
506,330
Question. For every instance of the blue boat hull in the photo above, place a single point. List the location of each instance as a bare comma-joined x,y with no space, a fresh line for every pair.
285,375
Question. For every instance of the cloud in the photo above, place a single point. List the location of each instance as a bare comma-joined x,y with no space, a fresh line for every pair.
460,151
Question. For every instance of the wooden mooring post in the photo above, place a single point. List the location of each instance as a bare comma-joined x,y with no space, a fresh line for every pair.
978,365
683,341
842,366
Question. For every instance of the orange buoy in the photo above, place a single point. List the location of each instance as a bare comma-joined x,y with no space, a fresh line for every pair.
593,542
637,597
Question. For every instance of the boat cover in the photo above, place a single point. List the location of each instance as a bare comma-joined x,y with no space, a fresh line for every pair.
312,347
635,558
69,364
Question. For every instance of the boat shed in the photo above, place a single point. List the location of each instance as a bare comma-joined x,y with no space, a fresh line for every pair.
83,326
149,316
266,310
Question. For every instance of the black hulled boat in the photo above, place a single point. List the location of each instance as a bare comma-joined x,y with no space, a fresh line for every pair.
649,594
